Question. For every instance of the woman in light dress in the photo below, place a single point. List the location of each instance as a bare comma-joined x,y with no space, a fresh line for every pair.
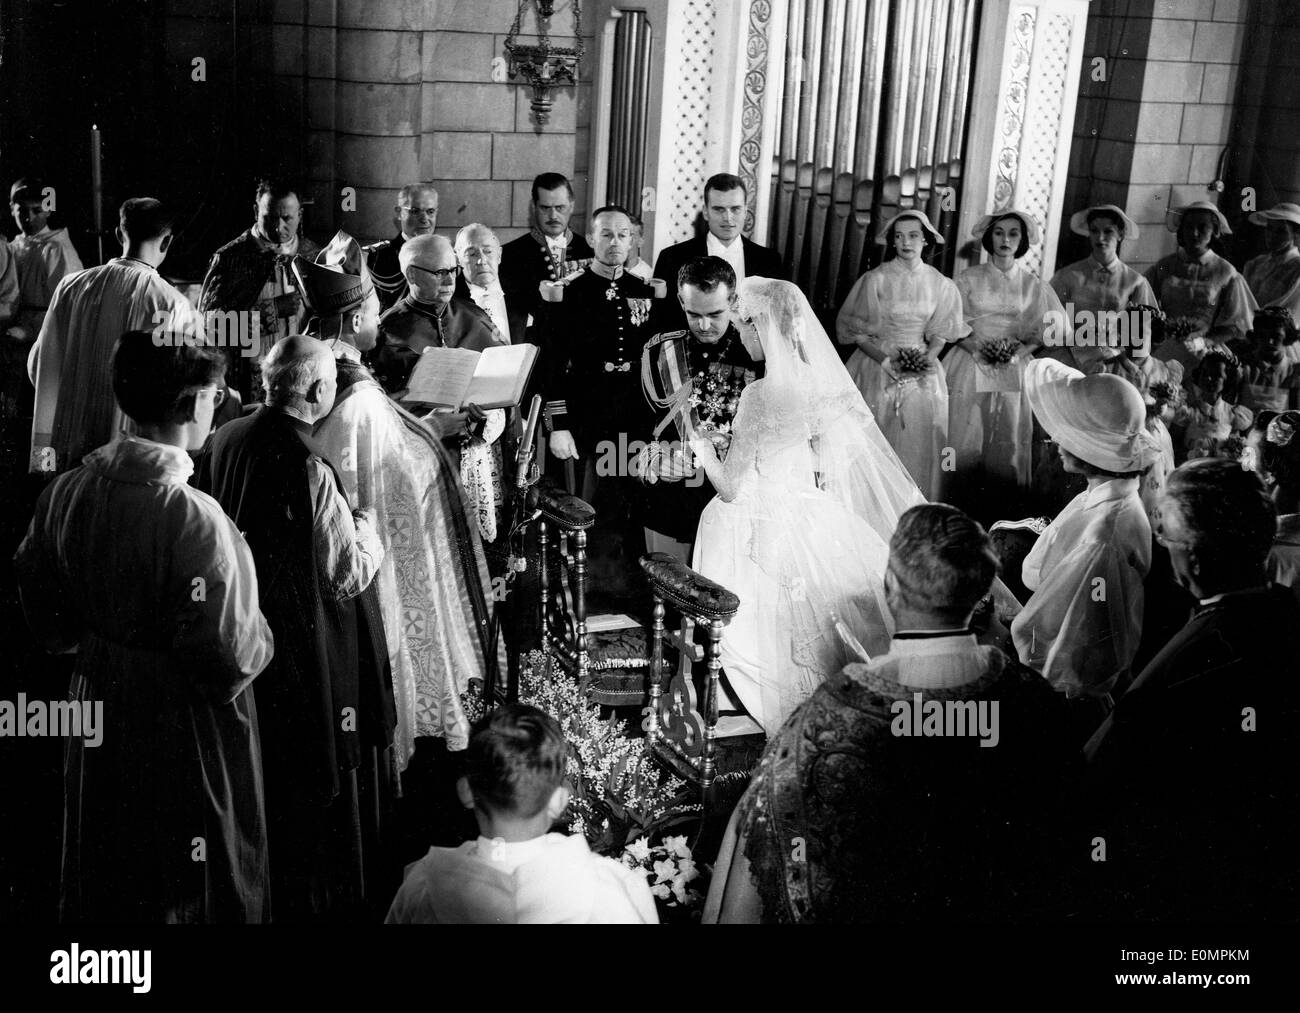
990,425
905,304
808,497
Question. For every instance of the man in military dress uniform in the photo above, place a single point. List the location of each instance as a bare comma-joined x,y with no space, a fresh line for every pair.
417,215
595,327
694,379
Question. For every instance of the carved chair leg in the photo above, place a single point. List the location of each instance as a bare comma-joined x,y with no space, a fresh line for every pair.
656,668
544,586
714,654
580,602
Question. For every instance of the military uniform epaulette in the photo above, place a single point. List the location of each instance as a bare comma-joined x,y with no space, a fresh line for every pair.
663,336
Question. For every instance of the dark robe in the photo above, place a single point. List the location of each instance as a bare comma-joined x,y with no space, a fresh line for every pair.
411,326
674,508
386,270
234,281
1197,811
328,779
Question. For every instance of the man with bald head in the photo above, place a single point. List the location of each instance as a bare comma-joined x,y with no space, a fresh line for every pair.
416,214
594,328
393,462
430,314
326,705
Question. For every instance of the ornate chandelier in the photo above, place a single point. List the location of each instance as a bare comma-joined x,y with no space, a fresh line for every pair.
544,66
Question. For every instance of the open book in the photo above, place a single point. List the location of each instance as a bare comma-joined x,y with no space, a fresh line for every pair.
455,377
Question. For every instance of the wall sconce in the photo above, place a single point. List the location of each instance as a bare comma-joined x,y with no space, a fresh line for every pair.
544,66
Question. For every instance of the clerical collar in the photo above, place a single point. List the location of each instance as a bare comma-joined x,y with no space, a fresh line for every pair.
286,249
344,349
964,631
430,309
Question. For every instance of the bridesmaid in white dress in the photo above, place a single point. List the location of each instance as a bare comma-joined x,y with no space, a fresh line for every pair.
990,425
905,304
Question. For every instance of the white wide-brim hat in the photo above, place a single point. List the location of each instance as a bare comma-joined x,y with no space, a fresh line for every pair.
1031,224
1284,212
1175,217
1079,220
920,216
1099,419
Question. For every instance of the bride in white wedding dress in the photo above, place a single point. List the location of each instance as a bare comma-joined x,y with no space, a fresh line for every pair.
807,499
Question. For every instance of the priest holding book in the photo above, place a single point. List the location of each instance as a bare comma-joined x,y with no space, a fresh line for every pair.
430,314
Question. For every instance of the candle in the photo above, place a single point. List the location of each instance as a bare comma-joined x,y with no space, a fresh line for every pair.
96,180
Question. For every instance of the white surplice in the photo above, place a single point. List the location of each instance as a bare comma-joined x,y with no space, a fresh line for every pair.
42,261
71,364
1082,624
549,880
156,586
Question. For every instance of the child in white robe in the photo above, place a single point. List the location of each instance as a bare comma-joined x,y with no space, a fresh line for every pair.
516,873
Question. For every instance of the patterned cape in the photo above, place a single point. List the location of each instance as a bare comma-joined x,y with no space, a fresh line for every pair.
434,584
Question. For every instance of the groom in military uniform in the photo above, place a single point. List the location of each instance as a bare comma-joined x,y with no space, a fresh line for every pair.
693,378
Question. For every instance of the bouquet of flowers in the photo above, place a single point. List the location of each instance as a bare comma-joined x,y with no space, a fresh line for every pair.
670,871
1165,392
999,351
911,363
911,367
998,372
1180,328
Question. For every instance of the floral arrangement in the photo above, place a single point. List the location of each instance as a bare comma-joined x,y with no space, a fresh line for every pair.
669,870
999,351
618,790
912,362
1166,392
1181,328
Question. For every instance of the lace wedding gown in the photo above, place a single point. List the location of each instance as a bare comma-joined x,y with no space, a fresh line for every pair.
807,498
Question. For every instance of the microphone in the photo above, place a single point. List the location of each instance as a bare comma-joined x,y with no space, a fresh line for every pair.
523,456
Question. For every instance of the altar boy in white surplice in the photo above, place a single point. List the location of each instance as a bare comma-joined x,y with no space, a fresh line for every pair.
516,872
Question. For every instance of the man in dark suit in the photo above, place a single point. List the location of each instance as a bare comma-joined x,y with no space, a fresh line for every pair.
479,252
1192,772
725,197
550,251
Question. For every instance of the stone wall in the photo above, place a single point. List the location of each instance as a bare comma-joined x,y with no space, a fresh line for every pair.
387,93
1151,135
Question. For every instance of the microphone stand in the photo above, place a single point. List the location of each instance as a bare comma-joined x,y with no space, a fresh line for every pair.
523,512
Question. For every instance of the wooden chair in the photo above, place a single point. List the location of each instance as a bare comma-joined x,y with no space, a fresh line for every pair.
625,666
